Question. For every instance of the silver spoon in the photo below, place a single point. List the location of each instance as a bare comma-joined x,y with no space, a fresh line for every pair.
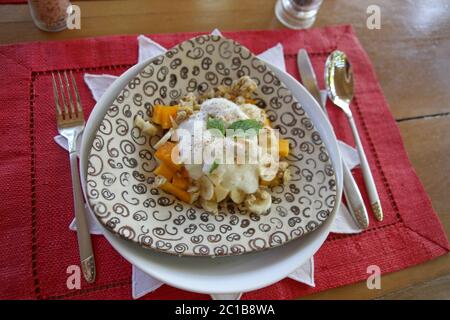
339,83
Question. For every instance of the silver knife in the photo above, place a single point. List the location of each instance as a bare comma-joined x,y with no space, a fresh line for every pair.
355,201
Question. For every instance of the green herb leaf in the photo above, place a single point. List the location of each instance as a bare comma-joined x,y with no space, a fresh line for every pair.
245,125
214,166
216,124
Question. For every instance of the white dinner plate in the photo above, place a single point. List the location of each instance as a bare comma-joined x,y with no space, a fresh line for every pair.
225,274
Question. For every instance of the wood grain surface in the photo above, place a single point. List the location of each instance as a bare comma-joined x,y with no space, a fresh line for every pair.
410,54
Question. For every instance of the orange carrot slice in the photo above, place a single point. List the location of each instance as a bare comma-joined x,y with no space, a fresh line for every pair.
283,146
164,154
180,182
177,192
162,115
184,173
165,171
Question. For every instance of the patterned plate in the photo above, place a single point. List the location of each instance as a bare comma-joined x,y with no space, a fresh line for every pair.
121,160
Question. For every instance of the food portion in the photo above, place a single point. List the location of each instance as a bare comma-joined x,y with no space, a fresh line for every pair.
218,147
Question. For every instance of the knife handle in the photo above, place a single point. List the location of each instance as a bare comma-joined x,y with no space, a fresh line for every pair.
354,199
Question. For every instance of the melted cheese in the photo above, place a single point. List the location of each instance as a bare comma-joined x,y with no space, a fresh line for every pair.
244,177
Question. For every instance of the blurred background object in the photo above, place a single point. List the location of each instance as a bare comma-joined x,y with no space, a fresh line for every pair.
297,14
49,15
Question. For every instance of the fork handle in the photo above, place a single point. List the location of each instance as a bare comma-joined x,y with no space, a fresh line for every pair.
83,235
367,174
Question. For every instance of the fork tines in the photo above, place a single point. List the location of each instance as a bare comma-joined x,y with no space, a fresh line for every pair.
67,96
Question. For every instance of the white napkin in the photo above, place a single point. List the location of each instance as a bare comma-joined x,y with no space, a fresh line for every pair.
142,283
305,273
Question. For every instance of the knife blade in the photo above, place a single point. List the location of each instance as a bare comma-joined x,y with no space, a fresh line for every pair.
307,74
351,191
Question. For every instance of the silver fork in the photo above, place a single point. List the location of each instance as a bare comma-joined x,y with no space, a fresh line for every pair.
70,122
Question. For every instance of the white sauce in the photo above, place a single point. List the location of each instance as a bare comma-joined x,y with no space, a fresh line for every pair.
223,109
253,112
244,177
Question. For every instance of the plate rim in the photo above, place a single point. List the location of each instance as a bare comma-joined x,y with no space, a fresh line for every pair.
93,122
113,97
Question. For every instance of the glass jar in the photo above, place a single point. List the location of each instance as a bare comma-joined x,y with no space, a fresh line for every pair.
297,14
49,15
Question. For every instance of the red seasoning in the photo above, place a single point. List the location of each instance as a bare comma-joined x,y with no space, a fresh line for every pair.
49,15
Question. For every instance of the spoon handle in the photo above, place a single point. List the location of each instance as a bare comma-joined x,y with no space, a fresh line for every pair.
367,174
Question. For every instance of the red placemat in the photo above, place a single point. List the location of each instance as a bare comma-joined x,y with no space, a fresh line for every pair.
36,199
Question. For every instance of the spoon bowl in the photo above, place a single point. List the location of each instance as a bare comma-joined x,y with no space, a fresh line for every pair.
339,80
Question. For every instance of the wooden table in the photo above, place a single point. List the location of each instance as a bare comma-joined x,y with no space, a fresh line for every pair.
411,57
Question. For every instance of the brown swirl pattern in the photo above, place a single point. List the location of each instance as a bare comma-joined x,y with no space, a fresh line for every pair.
121,160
